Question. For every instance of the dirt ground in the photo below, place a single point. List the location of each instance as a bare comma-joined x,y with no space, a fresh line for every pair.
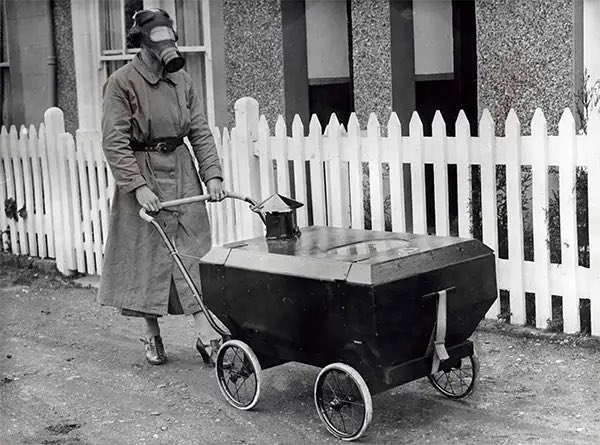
74,373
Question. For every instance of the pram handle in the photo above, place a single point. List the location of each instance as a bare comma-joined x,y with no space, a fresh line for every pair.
191,199
173,251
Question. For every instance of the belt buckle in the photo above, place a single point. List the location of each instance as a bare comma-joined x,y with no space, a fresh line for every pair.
161,147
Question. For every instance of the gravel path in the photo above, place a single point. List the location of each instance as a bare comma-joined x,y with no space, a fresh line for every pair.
74,373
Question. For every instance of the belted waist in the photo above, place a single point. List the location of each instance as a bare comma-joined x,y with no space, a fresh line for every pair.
166,146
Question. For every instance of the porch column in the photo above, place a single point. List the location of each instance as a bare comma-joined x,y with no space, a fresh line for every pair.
86,53
383,59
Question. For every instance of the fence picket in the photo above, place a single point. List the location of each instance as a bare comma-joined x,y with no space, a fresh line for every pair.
90,160
594,216
48,205
28,191
103,195
84,146
267,180
397,201
539,167
568,219
463,174
227,173
218,209
16,148
515,217
489,210
373,144
334,178
37,207
281,156
236,183
417,172
76,234
440,175
317,180
355,173
298,154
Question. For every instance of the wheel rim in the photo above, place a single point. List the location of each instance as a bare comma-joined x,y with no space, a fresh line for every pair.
341,402
239,379
459,381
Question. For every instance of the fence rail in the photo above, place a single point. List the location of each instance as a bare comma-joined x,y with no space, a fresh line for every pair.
350,177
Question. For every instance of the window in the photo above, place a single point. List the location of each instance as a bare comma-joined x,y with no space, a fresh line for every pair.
4,65
192,25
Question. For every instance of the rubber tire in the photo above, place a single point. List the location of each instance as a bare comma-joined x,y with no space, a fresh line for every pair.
364,392
257,371
475,366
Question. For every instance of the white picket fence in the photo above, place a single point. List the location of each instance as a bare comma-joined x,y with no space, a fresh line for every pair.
66,189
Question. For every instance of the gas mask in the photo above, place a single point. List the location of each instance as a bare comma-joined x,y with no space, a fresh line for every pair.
154,29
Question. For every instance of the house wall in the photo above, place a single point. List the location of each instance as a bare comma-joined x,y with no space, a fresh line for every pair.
254,55
66,82
526,51
29,45
372,59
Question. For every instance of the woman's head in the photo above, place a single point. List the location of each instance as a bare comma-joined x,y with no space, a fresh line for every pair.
153,29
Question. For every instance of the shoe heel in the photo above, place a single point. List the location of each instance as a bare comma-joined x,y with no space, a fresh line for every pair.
201,348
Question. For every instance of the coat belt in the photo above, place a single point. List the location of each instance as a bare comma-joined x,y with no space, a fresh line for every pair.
166,146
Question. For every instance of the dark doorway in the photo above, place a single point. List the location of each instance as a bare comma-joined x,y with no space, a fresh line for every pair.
455,91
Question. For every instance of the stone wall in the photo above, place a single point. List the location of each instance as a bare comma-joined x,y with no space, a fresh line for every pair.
254,55
525,52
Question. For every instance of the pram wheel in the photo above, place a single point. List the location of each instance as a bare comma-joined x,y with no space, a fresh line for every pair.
240,378
343,401
456,381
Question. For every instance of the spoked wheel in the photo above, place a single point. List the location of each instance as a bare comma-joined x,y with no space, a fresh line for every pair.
343,401
456,380
238,374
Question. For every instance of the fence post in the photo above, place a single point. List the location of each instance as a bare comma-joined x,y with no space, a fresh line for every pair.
246,126
59,191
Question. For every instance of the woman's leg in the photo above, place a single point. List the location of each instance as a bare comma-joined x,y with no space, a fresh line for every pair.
152,327
155,350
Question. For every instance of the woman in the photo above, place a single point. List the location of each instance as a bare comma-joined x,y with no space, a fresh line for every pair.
150,105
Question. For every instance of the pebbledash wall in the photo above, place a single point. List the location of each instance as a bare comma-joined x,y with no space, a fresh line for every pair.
254,54
66,92
372,59
529,54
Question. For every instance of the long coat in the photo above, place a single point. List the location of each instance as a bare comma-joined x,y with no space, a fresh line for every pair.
142,106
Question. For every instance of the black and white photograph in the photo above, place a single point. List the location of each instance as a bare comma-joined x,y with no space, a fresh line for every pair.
281,222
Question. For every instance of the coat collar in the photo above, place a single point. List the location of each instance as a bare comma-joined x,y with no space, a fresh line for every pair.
151,77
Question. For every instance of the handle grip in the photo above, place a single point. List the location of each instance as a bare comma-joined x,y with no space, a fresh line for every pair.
191,199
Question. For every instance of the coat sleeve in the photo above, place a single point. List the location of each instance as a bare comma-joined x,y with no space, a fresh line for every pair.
116,135
202,140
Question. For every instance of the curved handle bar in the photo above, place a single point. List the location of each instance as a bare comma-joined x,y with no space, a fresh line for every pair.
176,202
